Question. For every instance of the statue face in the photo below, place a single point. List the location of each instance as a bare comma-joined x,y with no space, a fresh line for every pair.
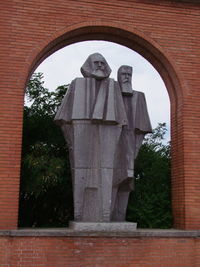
124,78
125,75
96,67
99,66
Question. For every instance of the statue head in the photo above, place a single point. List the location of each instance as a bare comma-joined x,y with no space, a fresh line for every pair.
96,67
124,77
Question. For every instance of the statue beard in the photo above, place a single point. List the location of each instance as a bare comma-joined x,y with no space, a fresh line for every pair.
126,88
99,74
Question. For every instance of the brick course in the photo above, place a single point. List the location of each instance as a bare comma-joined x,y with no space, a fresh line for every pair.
164,32
98,251
167,34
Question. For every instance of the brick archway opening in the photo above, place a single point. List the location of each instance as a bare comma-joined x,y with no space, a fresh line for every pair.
161,62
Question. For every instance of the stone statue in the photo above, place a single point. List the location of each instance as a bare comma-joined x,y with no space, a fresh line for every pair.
103,122
129,144
91,117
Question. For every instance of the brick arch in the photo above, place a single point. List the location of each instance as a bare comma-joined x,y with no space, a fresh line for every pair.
117,33
160,59
163,63
166,34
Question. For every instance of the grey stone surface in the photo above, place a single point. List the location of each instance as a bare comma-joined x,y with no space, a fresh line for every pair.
66,232
99,130
103,226
124,77
129,144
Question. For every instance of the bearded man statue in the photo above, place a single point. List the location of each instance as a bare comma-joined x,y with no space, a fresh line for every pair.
131,138
91,117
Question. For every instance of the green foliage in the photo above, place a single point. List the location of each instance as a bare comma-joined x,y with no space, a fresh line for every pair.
46,191
45,194
150,203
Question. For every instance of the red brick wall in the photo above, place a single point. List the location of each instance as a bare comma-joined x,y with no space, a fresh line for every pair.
165,32
98,251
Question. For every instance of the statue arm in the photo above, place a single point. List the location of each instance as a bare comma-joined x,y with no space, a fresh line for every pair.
63,114
138,142
143,124
142,121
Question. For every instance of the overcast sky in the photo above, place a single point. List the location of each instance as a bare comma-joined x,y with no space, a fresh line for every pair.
64,65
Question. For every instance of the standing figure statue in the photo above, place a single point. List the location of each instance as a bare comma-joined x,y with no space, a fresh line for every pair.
91,117
130,141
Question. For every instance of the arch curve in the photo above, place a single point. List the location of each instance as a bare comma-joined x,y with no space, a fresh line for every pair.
121,34
150,50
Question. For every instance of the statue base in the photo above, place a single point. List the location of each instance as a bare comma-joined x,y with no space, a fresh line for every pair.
103,226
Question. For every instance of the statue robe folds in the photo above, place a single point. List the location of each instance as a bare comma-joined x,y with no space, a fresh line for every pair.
130,142
91,116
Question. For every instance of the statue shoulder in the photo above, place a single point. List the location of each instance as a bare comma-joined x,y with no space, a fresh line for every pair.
81,81
140,96
139,93
78,79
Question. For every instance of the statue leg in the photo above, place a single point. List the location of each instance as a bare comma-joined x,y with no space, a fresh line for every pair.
113,204
92,202
121,200
106,192
78,182
88,201
109,137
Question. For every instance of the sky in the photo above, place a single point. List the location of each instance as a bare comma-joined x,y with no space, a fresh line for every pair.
64,65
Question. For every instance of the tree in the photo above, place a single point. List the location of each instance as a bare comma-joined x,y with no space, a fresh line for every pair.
46,192
150,203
